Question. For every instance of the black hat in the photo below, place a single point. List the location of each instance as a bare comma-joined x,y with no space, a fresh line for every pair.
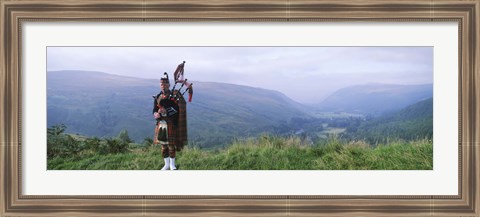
164,79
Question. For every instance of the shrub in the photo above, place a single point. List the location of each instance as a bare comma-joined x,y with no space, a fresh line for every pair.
60,144
115,145
123,136
93,143
147,142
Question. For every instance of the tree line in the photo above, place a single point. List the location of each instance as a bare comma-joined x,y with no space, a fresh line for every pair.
61,144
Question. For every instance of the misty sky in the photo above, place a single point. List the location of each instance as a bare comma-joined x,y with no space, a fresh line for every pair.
305,74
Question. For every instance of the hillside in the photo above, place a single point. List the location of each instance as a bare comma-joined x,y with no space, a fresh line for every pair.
375,99
223,111
101,104
411,123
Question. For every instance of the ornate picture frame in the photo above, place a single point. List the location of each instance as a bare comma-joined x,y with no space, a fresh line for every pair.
14,13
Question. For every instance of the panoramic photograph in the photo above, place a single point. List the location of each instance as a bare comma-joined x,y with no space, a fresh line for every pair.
239,108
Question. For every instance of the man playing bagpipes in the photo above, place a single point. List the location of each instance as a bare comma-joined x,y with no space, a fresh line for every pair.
169,110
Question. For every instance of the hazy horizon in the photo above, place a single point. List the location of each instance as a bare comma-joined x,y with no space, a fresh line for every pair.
305,74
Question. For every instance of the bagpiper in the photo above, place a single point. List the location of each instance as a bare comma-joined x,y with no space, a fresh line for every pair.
170,113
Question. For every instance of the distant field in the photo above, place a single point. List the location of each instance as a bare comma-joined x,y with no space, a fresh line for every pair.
335,115
329,131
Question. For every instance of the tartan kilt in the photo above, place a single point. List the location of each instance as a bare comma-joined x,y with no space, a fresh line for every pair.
177,132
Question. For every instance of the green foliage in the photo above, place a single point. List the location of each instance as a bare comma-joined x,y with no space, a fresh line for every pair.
123,136
94,144
56,130
64,145
116,145
59,144
411,123
147,142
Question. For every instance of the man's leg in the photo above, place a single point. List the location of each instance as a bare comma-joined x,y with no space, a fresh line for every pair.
165,154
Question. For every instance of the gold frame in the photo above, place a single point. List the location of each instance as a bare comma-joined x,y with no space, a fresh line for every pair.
14,12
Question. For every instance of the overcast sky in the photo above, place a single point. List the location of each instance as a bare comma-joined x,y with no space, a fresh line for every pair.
305,74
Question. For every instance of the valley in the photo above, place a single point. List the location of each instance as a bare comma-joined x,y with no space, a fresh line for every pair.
97,104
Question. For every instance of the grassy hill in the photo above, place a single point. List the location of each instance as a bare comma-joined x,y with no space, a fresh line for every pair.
264,153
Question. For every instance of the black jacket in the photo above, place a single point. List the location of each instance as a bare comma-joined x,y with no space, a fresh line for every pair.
168,102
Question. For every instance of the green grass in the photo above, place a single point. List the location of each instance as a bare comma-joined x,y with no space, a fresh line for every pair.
137,159
266,153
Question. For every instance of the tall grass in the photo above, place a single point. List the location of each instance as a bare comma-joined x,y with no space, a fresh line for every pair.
273,153
267,153
149,159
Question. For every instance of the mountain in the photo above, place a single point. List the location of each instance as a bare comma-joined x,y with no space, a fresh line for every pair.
375,98
101,104
410,123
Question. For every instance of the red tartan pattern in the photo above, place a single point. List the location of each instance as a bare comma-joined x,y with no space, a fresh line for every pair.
169,149
177,136
181,137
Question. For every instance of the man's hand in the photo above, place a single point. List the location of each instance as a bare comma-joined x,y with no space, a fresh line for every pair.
156,115
162,110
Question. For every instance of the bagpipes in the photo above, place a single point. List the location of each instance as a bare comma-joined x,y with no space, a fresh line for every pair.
178,76
174,94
